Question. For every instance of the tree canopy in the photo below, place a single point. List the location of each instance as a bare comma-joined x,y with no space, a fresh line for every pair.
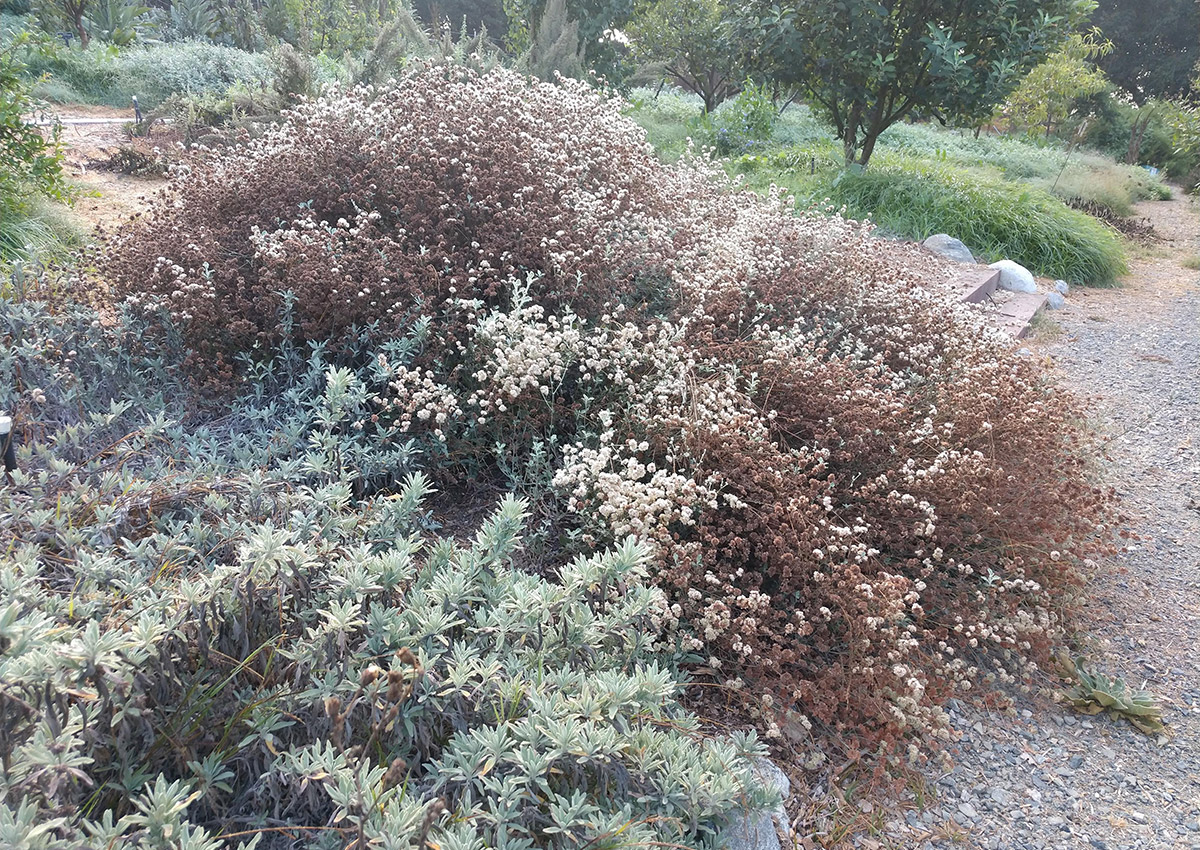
870,63
1155,50
477,15
689,39
1046,96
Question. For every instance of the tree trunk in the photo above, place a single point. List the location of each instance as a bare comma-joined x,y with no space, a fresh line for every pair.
75,12
879,123
868,146
850,135
1136,133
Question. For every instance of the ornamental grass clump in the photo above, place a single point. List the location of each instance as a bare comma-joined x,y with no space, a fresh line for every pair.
856,498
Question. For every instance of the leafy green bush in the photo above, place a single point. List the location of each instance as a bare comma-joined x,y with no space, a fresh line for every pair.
152,73
995,217
31,168
744,123
247,625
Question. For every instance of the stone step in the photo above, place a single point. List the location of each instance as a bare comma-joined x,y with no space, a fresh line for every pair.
1017,310
975,284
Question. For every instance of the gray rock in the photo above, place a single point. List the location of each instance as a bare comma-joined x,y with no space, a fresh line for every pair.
1055,301
1060,286
753,832
774,778
949,247
761,830
1014,276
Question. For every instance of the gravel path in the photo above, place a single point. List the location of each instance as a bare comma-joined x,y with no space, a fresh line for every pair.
1046,777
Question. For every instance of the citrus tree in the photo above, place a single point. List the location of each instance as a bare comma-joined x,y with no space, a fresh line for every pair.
29,164
689,39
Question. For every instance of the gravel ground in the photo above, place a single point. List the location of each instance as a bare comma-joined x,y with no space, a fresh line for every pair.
1045,777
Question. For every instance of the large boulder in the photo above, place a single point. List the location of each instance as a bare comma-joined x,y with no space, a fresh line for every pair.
948,246
1015,277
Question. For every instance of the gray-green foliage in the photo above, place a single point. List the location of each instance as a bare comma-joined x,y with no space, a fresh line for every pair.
216,623
1094,692
555,47
151,72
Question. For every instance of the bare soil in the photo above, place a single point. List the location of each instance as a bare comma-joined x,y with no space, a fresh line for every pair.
109,198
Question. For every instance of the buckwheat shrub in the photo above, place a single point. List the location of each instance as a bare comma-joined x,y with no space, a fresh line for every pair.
851,490
369,204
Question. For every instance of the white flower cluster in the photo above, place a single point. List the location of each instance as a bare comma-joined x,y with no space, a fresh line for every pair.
421,399
521,350
627,493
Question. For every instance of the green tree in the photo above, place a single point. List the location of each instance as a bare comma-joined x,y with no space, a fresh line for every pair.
1155,46
29,164
689,39
870,63
478,15
1046,96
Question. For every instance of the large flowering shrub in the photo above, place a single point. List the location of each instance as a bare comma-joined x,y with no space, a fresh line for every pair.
853,493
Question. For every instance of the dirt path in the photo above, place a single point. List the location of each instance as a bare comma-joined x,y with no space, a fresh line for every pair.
1137,352
110,197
